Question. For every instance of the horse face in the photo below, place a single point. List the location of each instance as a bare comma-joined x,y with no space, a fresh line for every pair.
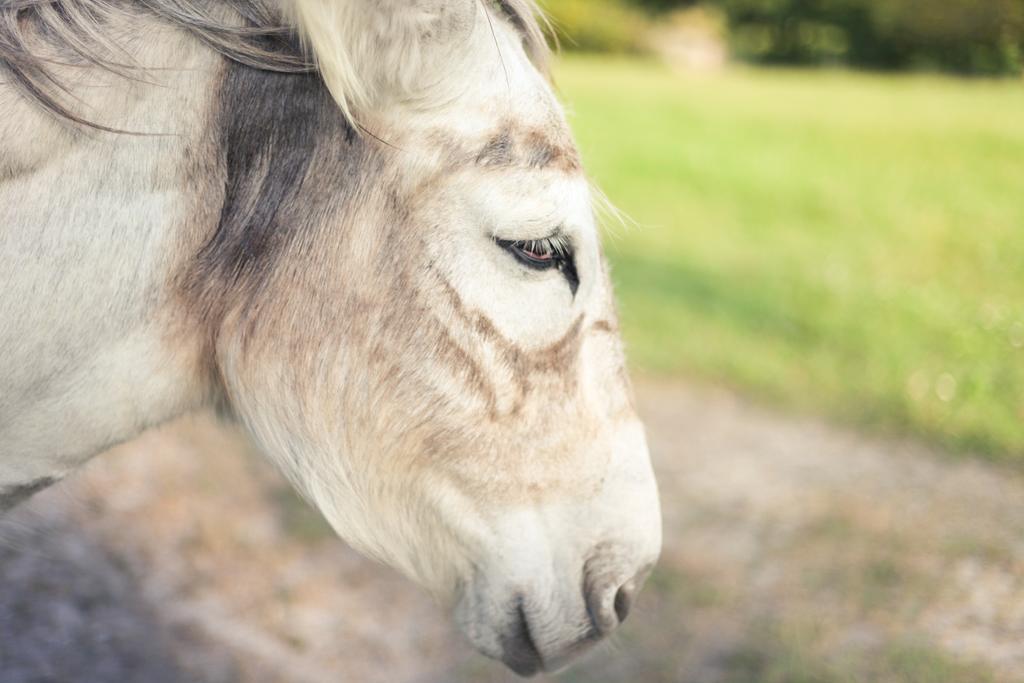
455,400
528,424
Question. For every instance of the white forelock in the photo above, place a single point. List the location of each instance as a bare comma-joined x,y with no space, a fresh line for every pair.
370,52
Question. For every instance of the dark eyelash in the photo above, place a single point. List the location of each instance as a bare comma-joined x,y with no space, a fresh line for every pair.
540,254
553,252
558,245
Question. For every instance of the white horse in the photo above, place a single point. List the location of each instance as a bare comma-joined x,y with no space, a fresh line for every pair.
361,229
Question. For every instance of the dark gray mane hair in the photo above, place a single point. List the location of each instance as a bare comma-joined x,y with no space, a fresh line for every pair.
36,35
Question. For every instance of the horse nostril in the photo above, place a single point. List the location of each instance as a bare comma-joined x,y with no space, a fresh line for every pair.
609,607
608,601
624,600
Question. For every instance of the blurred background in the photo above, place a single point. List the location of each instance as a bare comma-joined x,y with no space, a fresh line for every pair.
847,240
820,270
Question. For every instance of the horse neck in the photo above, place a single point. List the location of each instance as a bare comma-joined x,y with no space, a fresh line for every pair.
93,226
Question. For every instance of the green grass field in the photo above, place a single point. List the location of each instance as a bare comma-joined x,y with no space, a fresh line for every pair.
844,244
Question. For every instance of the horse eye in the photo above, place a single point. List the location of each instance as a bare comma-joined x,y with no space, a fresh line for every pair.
539,254
545,254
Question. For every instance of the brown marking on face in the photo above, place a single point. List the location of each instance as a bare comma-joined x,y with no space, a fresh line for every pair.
557,361
471,370
497,151
513,145
541,151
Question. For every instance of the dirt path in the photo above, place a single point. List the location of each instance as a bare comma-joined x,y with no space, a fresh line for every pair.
794,552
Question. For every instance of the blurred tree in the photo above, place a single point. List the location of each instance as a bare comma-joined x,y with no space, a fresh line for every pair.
979,36
968,36
598,25
663,5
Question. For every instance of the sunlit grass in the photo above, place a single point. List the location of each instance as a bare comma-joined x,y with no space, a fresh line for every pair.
840,243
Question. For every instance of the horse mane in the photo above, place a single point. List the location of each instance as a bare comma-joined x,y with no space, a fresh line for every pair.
36,35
